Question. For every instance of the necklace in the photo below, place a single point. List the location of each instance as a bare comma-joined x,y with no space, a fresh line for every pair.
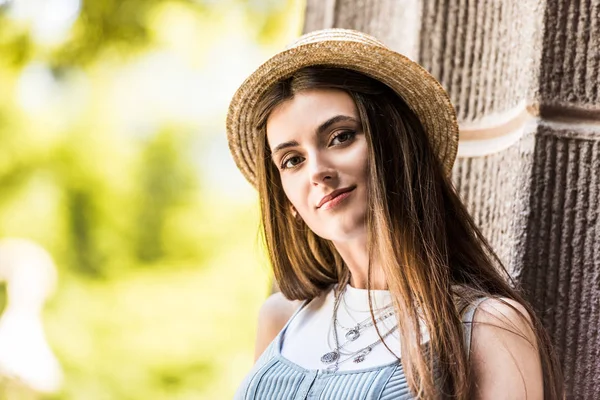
333,357
342,346
375,311
359,356
354,333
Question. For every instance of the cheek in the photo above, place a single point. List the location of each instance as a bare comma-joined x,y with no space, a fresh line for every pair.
294,192
360,161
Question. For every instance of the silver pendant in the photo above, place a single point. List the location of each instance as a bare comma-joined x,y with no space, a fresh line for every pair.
359,358
330,357
362,355
352,334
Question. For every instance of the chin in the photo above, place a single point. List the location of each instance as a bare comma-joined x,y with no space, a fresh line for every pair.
341,228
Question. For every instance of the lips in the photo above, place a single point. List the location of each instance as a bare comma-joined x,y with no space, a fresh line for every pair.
334,194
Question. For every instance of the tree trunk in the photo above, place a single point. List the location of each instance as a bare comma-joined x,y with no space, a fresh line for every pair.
524,78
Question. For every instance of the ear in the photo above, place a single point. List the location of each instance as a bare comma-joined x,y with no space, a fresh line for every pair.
294,211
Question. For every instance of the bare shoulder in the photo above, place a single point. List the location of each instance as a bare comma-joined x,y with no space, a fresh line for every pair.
506,314
504,352
276,310
272,316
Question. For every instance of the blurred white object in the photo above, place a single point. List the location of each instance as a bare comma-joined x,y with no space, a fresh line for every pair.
50,21
30,277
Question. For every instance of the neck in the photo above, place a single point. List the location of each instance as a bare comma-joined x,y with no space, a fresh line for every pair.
356,257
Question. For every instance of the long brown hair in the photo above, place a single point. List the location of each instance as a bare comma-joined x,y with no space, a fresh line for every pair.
434,257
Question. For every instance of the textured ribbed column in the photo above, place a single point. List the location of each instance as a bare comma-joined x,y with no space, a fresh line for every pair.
396,23
562,264
562,261
484,184
485,54
570,71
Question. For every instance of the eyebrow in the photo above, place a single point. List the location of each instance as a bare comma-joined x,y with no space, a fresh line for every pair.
320,129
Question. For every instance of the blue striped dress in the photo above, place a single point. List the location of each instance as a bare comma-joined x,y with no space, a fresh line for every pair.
273,377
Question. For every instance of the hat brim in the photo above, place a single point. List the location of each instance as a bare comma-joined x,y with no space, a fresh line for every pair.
419,89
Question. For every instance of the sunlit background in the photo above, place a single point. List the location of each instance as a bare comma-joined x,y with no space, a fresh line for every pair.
142,271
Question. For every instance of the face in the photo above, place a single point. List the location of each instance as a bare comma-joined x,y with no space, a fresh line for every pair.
320,151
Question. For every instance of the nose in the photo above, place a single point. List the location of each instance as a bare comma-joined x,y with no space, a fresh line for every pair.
322,171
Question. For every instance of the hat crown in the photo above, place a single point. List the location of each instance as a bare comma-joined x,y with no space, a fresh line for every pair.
336,34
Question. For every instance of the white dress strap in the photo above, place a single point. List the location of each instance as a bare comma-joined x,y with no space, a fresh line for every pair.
467,319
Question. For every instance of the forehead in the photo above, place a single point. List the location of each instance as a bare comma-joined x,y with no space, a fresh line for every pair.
306,111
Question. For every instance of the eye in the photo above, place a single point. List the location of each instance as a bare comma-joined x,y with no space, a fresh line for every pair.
291,162
342,137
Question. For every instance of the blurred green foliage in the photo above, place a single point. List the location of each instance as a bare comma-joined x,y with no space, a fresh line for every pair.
166,181
124,25
158,181
159,282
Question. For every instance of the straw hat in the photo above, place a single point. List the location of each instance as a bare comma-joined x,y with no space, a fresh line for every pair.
344,48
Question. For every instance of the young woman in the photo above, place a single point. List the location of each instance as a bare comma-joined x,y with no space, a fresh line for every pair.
388,288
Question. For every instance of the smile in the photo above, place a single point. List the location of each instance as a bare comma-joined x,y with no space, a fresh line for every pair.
335,198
